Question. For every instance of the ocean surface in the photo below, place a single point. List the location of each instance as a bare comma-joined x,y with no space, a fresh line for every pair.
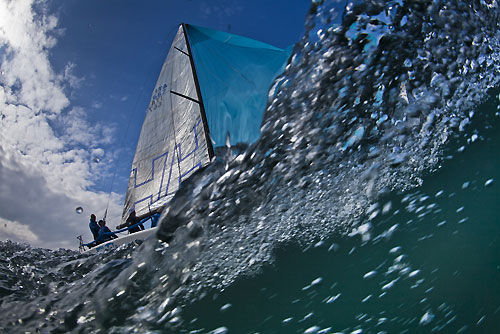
369,205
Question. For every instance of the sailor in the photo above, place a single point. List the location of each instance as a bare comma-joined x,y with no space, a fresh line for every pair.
105,233
131,221
94,228
154,219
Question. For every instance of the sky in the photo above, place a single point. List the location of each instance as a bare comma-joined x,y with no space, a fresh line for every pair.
75,82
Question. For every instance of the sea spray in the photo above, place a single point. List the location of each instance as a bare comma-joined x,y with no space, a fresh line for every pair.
366,103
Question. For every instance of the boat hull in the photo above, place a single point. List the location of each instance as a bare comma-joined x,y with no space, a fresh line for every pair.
142,235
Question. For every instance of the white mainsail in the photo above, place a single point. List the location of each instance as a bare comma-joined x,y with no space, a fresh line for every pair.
173,140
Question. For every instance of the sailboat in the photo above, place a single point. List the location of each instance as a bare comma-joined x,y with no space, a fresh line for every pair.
212,85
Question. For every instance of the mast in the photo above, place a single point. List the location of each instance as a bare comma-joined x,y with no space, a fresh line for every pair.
198,91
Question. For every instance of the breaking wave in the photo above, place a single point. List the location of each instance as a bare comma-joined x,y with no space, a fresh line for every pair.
366,107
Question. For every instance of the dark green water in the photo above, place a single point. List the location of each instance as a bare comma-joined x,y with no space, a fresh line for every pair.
310,230
438,271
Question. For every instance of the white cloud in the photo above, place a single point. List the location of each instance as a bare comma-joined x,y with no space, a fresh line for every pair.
15,231
77,130
40,211
46,146
28,75
69,77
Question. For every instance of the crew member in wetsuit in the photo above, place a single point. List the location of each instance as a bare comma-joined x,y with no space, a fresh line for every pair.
94,227
105,233
131,221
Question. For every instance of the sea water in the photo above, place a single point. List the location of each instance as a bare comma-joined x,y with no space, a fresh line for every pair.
369,205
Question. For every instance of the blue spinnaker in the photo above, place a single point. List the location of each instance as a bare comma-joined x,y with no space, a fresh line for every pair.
234,74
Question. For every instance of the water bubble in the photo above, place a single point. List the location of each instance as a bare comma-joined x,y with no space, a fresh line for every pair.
79,210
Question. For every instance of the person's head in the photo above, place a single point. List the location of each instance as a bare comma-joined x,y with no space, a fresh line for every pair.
102,223
92,217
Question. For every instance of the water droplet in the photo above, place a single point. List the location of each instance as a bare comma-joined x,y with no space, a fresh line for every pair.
387,207
319,244
370,274
390,284
310,330
414,273
395,250
332,299
373,215
408,62
367,298
220,330
317,281
225,307
334,247
488,183
79,210
426,318
96,160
